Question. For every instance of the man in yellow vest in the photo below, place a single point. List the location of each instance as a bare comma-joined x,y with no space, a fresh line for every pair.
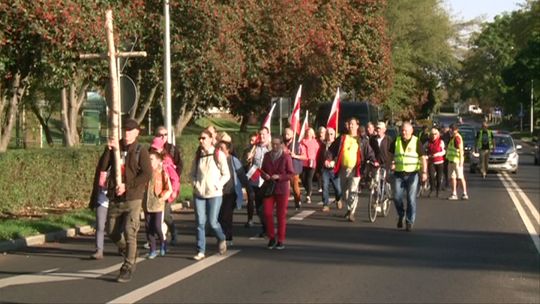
484,146
409,160
456,158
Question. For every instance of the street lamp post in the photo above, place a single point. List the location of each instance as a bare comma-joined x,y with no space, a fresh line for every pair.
167,73
532,106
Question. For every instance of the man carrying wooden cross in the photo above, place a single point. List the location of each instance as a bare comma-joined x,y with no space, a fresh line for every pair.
126,197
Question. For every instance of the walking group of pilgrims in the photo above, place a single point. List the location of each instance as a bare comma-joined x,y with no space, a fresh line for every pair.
262,178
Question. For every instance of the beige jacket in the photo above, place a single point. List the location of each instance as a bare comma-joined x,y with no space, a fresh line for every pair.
208,176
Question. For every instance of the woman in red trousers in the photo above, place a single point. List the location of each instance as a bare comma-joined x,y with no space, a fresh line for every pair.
277,166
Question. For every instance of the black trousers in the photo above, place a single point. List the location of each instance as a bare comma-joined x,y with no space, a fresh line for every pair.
225,217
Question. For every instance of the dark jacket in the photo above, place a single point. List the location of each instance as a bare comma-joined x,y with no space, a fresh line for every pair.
93,203
382,152
282,166
298,165
138,171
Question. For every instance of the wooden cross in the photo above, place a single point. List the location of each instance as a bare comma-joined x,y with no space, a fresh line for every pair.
114,113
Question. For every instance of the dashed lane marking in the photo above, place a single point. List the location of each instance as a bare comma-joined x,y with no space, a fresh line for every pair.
302,215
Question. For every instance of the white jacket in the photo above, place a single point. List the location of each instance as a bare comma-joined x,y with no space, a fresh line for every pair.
208,176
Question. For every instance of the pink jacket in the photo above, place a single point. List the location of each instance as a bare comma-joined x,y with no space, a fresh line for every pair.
169,166
312,149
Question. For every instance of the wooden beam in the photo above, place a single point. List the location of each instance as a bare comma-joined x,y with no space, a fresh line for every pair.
118,54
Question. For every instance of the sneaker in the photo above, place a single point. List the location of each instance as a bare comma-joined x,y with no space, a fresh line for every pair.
280,246
320,190
248,224
339,205
400,223
308,200
408,226
222,245
163,249
152,255
271,244
351,218
464,196
199,256
98,255
325,209
347,214
146,245
125,275
453,197
298,205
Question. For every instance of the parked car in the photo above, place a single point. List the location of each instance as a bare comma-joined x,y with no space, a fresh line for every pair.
504,156
469,140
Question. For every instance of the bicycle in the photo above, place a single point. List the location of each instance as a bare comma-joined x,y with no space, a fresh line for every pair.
379,197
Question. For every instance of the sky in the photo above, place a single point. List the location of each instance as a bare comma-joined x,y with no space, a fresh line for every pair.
486,9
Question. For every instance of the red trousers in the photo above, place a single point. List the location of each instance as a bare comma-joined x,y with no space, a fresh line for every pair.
280,202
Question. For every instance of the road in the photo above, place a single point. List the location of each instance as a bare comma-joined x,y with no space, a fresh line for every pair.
473,251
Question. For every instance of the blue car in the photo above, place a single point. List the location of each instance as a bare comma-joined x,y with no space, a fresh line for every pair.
504,157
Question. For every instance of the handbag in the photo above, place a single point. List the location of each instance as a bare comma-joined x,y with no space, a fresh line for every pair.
267,187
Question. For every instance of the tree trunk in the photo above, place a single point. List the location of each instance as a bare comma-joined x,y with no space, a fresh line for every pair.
44,124
71,105
147,103
244,123
7,120
184,117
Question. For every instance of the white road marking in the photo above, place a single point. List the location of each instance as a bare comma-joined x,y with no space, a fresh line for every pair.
524,217
173,278
525,198
302,215
52,276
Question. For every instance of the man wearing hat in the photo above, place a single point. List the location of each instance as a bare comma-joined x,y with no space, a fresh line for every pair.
126,197
380,143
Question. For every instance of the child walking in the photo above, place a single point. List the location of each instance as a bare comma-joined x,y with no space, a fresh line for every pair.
158,191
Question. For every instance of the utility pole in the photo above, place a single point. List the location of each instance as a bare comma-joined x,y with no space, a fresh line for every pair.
114,113
167,74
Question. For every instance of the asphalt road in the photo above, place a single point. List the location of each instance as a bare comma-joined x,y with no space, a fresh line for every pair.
473,251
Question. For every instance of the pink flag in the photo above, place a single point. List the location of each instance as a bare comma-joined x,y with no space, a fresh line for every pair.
333,118
295,116
305,126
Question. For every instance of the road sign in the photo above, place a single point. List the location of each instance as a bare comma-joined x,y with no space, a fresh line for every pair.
128,94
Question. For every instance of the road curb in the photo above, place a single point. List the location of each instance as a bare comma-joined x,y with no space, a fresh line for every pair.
41,239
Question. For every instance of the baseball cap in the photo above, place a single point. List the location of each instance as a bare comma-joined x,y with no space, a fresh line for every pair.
131,124
381,125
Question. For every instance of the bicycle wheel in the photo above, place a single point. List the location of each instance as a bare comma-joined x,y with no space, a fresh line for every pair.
372,205
385,206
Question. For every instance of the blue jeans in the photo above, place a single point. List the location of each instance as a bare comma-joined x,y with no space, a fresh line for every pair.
406,182
207,208
328,177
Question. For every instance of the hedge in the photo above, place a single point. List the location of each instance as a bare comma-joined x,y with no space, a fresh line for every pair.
45,178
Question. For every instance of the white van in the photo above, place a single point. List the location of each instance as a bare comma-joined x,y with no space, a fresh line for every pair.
475,109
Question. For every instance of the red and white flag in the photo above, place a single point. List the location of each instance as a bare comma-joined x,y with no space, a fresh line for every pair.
268,119
304,128
254,175
333,118
295,116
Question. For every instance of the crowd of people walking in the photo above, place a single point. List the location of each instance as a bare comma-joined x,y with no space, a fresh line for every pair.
270,169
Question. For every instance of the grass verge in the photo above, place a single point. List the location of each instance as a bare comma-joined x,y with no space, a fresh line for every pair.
11,229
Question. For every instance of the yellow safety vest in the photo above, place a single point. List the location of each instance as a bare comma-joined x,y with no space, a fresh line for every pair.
407,160
453,154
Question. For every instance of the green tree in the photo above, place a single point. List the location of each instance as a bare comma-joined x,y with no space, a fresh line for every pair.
422,54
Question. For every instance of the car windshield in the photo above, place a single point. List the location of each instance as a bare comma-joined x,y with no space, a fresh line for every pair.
467,135
503,141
